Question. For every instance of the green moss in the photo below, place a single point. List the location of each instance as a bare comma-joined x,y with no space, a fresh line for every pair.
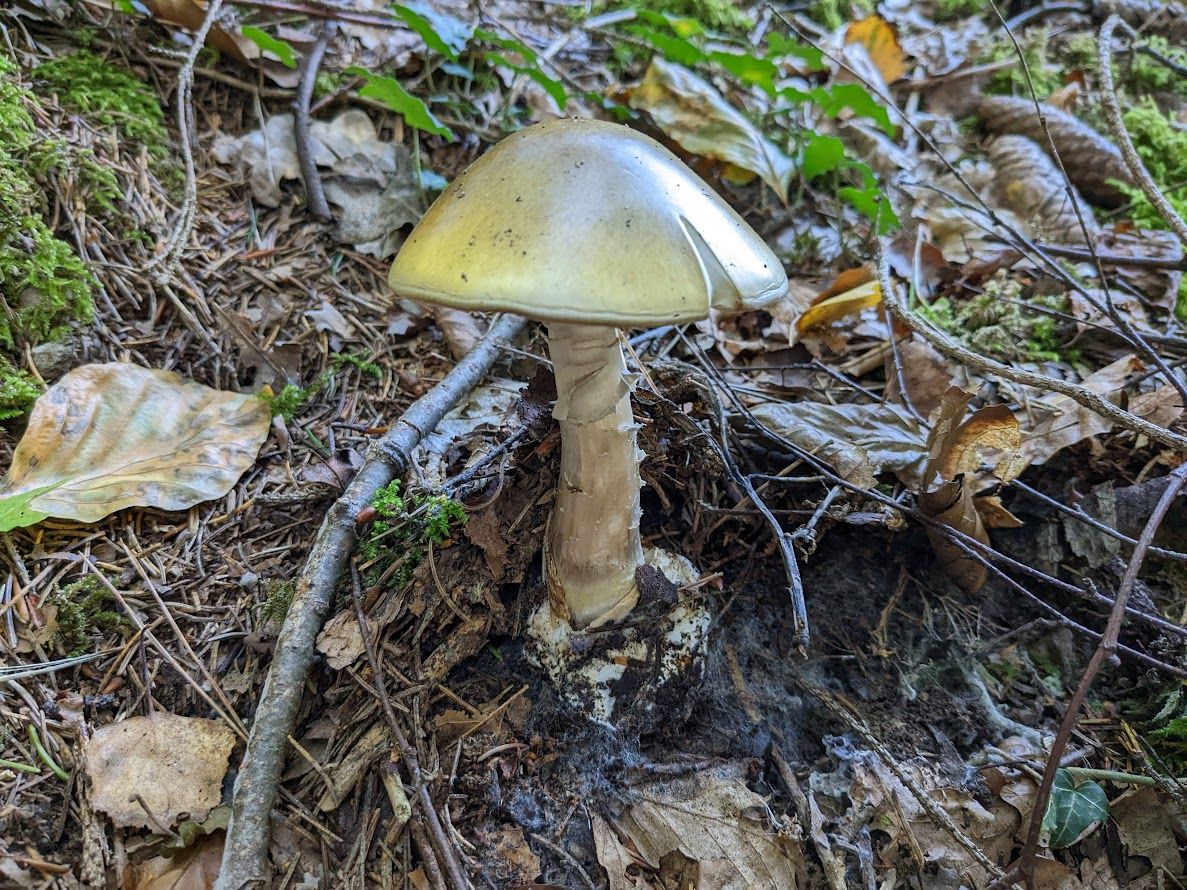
1163,147
1044,74
43,282
287,402
952,9
342,359
998,322
82,610
18,391
106,94
414,519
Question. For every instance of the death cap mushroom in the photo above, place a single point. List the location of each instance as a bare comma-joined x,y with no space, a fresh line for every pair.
590,222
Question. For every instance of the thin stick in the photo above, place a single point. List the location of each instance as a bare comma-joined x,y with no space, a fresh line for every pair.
180,233
1105,649
1112,110
246,853
315,195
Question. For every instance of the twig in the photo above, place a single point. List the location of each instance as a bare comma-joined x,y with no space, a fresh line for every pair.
567,856
1112,110
1106,648
184,224
440,848
1132,262
1036,13
1078,394
315,196
246,851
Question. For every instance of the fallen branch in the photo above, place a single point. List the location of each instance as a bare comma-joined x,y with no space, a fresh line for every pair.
1078,394
1112,110
245,857
315,195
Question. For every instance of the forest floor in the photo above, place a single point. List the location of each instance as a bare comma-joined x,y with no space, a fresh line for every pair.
958,440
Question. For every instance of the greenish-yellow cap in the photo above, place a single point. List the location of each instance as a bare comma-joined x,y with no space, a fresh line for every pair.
585,221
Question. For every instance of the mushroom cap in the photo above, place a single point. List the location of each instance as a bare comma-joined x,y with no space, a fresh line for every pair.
590,222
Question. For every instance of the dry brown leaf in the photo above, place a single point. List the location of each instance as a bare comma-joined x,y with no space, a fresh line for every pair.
515,863
195,868
341,640
926,375
691,111
880,39
954,447
613,856
1144,818
175,764
111,436
832,309
1069,422
189,14
460,330
858,441
706,820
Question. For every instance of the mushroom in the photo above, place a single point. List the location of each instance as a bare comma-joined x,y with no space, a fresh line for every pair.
589,227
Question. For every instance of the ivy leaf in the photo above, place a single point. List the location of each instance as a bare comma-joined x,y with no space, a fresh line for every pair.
269,44
870,202
822,154
857,99
388,91
115,435
442,33
1073,809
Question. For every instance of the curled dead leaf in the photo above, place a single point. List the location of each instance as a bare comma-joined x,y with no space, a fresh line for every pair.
852,291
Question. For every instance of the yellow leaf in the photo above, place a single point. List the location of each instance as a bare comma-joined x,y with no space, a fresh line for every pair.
691,111
111,436
880,40
840,306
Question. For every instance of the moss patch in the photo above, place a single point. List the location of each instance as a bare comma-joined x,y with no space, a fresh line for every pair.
83,608
18,390
106,94
43,283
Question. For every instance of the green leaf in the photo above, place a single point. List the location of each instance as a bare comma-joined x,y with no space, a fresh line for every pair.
675,49
780,47
749,69
442,33
857,99
822,154
681,26
15,511
388,91
871,203
1073,809
269,44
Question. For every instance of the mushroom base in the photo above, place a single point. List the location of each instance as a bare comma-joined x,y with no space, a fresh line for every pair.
623,673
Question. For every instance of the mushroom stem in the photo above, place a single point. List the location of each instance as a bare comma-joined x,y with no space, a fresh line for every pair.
593,546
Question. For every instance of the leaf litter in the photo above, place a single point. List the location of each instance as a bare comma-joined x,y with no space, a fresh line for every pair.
867,408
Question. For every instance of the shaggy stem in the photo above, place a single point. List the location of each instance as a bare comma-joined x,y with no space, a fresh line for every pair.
593,545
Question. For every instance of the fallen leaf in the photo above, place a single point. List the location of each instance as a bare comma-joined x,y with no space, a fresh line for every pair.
840,306
189,14
1144,818
693,113
326,317
175,764
106,437
880,39
195,868
460,330
1074,810
613,856
1069,422
341,641
708,818
858,441
514,862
